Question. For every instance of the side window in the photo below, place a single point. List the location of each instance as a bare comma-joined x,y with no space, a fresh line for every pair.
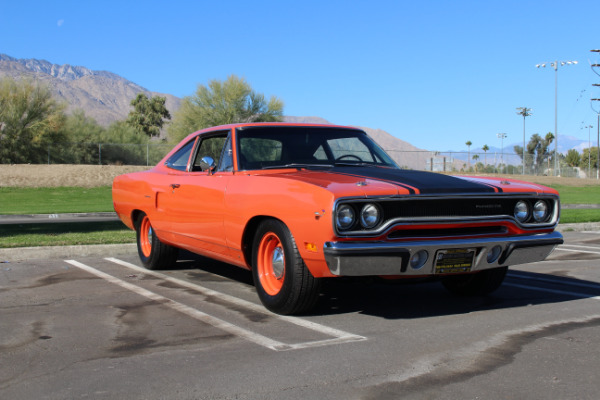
212,147
320,154
179,160
226,163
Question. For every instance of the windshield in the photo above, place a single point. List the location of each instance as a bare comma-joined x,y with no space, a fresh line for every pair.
275,147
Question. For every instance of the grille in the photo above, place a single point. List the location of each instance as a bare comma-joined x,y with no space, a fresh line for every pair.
459,207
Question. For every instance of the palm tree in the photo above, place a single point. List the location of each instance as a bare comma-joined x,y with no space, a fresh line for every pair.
468,143
485,148
475,158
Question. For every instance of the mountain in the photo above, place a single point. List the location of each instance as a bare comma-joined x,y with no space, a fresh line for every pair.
103,95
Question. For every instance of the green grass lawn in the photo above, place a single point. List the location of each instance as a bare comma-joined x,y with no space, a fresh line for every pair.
578,194
56,200
63,233
578,216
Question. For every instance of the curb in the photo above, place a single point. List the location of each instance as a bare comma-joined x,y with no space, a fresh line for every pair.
50,252
60,216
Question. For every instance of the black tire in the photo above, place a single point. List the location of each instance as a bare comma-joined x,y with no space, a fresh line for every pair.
153,253
283,283
477,284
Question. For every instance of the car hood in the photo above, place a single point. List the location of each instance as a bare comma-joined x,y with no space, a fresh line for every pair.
390,181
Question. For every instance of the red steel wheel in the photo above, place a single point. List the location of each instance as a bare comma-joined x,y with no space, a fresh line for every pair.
153,253
271,263
283,283
146,236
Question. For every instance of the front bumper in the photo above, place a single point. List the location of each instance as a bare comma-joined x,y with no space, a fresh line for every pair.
385,258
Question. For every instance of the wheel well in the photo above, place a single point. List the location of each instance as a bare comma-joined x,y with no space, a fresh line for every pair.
248,236
135,215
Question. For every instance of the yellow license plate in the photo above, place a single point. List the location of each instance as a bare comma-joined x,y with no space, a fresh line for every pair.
453,261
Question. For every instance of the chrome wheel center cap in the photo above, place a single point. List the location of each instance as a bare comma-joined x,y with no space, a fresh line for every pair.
278,262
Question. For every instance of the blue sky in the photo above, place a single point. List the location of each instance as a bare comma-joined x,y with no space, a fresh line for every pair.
433,73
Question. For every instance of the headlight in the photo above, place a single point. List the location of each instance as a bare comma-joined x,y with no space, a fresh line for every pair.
540,211
522,211
344,217
369,216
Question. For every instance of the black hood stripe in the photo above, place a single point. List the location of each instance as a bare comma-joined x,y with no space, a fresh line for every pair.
410,189
419,182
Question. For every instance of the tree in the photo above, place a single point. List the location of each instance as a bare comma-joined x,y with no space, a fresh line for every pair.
485,149
573,158
537,149
468,143
30,119
148,115
221,103
585,158
475,158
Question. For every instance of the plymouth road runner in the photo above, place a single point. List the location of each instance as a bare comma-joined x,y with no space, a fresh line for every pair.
298,203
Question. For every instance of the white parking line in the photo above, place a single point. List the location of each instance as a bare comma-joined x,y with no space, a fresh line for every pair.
555,281
581,246
561,292
339,336
192,312
577,251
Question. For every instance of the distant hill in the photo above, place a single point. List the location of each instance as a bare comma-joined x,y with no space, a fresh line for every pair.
103,95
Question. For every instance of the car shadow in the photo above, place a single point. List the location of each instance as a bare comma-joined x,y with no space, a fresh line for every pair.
411,298
405,299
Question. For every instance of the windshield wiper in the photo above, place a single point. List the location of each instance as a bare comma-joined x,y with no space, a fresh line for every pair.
298,165
352,164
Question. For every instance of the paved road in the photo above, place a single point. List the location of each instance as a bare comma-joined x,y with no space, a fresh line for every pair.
101,327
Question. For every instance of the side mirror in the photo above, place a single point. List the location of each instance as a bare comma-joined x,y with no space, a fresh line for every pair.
208,164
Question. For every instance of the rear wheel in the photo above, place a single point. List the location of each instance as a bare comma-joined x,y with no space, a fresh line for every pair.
153,253
477,284
283,283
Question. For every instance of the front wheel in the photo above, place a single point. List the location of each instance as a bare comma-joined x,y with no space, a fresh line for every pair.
283,283
153,253
477,284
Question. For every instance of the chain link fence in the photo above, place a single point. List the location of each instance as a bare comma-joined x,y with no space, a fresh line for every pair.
150,154
489,163
88,153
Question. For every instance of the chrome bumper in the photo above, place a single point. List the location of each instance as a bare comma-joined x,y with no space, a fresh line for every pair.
385,258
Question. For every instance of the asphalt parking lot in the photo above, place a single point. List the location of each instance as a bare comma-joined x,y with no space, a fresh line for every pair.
102,327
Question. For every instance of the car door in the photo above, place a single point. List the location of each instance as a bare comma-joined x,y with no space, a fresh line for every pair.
196,202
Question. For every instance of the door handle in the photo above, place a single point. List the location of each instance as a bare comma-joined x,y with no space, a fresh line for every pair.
175,185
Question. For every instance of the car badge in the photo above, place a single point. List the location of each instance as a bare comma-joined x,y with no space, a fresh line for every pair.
362,183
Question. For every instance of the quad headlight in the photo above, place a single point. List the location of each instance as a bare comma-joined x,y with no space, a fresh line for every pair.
540,211
370,216
345,217
358,216
522,211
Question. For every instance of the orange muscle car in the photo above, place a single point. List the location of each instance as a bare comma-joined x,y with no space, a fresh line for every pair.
296,203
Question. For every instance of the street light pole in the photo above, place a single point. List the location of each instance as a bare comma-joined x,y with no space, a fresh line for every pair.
598,122
501,136
589,127
525,112
597,138
555,65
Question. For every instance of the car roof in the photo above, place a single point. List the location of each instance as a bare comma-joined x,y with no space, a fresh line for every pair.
273,124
